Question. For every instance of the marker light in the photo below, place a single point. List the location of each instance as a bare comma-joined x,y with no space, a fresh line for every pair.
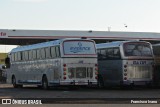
96,73
125,70
64,73
96,69
125,66
64,77
64,69
64,65
125,78
125,74
96,77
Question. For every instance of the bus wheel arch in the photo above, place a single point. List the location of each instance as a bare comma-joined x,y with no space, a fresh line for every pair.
44,82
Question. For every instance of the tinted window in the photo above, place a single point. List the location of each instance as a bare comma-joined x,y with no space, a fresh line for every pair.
57,52
43,56
19,58
16,56
109,53
26,55
38,53
34,54
48,53
113,53
12,57
53,52
30,55
23,55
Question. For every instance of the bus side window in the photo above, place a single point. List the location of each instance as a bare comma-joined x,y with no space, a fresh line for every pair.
116,53
57,51
109,53
113,53
26,55
43,56
12,57
34,54
23,55
48,55
99,53
16,56
30,55
38,54
102,54
19,57
53,52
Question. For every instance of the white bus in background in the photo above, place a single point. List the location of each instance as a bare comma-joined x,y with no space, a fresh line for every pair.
125,63
68,62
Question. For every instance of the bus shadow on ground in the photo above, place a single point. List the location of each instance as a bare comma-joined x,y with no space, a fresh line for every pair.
84,88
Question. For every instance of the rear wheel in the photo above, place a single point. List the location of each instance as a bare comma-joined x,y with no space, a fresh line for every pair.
45,83
14,82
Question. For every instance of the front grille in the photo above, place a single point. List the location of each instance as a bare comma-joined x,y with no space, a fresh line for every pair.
139,72
80,72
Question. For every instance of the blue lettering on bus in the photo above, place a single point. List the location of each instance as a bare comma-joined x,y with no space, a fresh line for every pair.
79,48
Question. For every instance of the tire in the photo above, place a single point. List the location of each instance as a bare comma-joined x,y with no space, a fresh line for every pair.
14,82
44,83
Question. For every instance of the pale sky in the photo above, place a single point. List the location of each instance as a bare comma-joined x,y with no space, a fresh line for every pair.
138,15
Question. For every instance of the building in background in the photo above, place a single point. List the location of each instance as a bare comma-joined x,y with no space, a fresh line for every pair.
2,71
2,58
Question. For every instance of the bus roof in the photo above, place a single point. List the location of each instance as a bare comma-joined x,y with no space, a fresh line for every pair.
42,45
114,44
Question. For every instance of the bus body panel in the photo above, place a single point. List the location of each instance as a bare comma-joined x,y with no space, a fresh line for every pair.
137,72
110,71
128,69
80,71
52,67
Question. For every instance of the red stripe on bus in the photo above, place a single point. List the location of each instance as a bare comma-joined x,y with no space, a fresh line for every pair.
79,37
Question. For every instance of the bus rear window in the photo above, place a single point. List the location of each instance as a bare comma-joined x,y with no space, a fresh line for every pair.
78,47
137,49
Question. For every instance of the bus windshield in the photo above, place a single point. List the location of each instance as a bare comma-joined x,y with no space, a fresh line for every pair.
137,49
79,47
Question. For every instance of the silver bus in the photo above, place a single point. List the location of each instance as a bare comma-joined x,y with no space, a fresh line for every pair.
68,62
125,63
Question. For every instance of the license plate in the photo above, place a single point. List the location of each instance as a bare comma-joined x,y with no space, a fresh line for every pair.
80,83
